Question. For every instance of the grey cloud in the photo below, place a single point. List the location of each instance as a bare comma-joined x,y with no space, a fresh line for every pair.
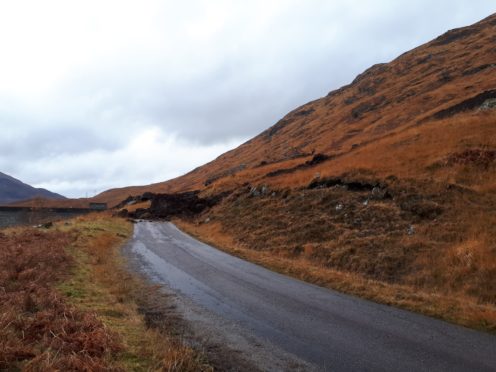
24,141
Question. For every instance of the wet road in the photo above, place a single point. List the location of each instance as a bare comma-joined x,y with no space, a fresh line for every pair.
336,332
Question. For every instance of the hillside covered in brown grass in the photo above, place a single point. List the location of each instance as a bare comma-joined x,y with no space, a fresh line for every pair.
406,118
73,306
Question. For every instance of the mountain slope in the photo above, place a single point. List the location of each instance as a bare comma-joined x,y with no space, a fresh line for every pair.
12,190
397,118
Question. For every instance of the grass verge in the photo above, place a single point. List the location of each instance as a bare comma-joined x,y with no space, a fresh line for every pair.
67,302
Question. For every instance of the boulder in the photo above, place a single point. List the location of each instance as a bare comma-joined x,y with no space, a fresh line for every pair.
489,104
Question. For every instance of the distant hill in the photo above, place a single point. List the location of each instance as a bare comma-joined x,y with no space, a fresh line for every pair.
12,190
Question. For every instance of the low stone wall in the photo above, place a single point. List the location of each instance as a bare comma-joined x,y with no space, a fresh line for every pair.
19,216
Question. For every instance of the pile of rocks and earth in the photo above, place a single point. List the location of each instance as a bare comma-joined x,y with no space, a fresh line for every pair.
166,206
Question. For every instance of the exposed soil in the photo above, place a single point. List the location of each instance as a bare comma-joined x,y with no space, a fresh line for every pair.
316,159
466,105
165,206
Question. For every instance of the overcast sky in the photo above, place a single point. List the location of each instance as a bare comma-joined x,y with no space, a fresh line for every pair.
101,94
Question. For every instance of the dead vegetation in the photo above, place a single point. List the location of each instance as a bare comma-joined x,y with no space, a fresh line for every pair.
413,212
39,330
67,302
426,95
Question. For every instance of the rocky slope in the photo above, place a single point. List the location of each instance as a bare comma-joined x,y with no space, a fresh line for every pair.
12,190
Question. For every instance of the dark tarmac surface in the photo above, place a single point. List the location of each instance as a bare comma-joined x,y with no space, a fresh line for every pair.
336,332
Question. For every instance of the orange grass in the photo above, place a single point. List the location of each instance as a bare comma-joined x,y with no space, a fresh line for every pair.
39,330
67,302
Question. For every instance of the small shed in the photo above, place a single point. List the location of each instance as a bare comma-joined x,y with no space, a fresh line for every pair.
98,206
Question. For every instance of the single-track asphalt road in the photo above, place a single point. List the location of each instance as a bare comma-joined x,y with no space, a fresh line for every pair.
333,331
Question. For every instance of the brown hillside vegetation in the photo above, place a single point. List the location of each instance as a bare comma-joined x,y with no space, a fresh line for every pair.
399,118
38,329
67,303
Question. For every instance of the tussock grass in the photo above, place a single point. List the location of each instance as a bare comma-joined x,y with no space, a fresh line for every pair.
68,303
101,283
39,329
446,268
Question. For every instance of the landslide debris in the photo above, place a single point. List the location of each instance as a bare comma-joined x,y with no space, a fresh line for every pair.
165,206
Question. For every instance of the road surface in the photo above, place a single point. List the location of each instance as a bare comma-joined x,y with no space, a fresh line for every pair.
333,331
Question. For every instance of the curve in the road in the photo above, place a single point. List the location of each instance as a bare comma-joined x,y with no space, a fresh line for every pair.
335,331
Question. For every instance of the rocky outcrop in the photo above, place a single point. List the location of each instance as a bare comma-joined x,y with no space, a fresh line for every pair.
472,103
